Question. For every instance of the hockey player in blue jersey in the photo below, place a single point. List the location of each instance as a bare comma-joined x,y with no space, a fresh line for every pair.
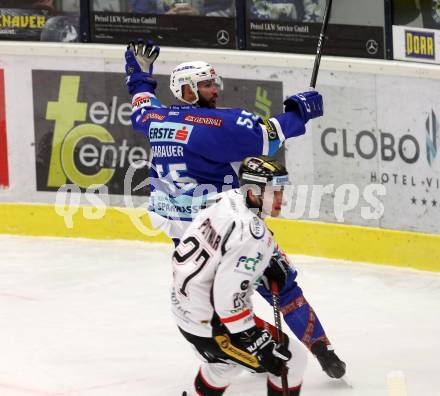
197,149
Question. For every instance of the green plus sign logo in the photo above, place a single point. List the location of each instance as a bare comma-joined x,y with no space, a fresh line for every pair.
66,111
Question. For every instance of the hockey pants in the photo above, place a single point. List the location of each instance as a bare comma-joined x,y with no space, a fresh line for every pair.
218,368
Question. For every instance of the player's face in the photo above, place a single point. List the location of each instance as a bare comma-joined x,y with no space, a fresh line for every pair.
208,93
272,201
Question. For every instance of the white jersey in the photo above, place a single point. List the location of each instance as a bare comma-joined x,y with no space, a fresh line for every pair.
217,264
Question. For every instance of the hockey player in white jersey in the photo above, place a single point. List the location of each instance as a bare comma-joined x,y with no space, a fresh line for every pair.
226,252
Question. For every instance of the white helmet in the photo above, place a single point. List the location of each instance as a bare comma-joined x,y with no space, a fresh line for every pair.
191,73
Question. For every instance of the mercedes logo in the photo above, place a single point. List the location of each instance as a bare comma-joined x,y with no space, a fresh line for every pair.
372,47
222,37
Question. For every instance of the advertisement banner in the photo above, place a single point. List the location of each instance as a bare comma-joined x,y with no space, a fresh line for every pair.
412,175
302,38
373,141
39,21
4,176
83,132
295,27
416,44
190,23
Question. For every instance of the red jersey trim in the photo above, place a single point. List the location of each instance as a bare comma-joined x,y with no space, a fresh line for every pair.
234,318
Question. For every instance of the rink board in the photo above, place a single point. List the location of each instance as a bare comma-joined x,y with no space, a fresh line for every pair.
72,97
73,100
374,245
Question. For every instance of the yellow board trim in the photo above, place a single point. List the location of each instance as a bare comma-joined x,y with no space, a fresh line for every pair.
364,244
354,243
43,220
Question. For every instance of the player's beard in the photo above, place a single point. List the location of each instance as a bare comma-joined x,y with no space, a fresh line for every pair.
210,104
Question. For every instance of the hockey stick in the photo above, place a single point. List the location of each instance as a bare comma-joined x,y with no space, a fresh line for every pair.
320,44
280,335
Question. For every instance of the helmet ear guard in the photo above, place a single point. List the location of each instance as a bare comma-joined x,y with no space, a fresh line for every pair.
194,89
190,74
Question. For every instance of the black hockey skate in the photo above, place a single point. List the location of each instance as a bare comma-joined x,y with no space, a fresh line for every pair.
329,361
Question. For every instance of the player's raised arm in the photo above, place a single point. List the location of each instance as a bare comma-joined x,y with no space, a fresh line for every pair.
238,133
139,58
305,105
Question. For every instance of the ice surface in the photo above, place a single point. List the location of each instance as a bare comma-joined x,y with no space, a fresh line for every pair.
92,318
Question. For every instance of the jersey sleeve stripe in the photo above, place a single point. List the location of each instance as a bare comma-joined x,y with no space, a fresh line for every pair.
279,129
265,140
234,318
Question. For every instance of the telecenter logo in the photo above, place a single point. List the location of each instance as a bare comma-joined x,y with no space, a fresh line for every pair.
83,131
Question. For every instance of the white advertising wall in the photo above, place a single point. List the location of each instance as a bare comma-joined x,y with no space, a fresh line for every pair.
381,129
372,160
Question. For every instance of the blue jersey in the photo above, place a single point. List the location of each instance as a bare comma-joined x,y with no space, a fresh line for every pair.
196,151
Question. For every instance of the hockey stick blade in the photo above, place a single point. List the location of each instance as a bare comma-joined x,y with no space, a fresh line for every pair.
346,381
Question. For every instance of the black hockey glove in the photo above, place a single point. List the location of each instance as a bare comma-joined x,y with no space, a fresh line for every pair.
139,59
309,105
277,270
260,343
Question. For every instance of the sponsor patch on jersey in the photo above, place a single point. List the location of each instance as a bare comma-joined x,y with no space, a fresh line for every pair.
257,228
177,304
169,132
249,263
152,116
180,207
238,299
208,121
